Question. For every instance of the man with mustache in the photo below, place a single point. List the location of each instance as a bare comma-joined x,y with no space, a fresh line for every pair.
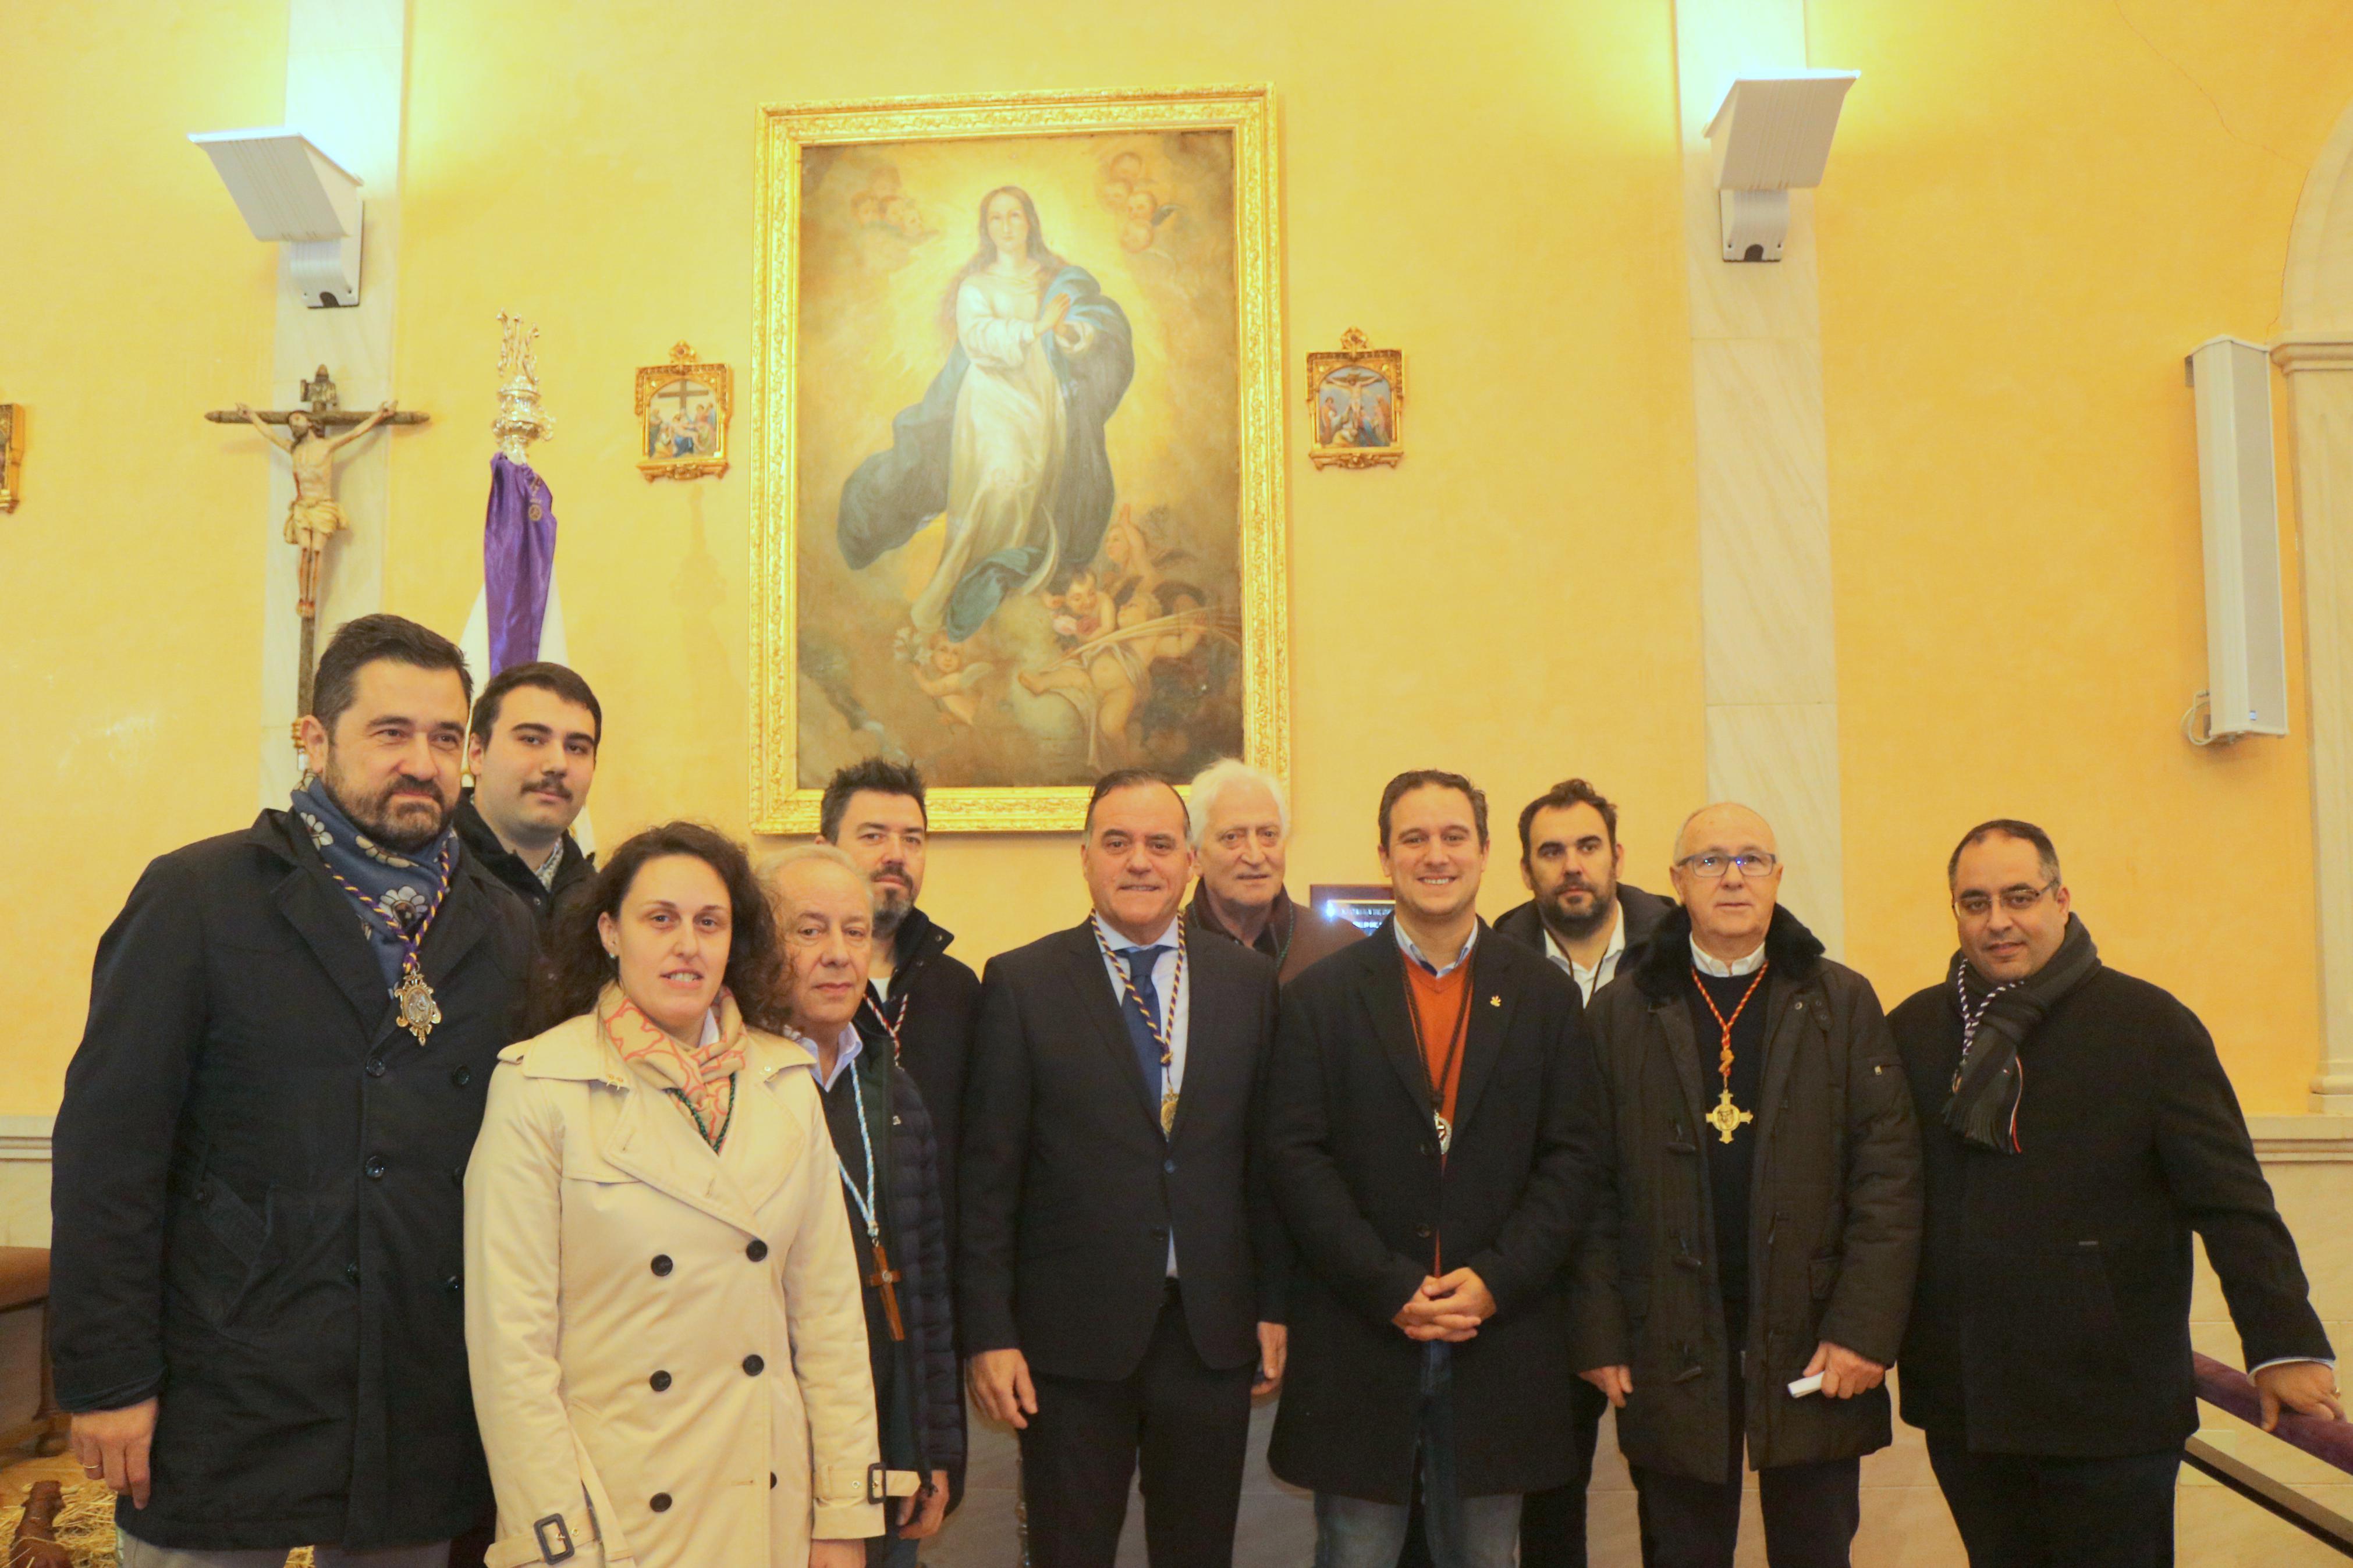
1121,1269
2078,1127
920,1005
258,1319
533,751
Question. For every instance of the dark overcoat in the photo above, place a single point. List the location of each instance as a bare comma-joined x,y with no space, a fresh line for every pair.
2053,1315
1071,1188
1373,1210
1834,1220
259,1207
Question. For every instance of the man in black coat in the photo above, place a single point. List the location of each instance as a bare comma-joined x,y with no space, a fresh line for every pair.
532,750
1765,1222
922,1005
258,1213
1120,1270
1591,925
1430,1140
2078,1126
890,1177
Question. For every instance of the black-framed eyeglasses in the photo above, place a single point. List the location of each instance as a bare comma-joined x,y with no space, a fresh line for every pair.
2017,900
1753,864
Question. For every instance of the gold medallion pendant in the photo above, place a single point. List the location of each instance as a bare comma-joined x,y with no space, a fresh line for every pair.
1726,1117
418,1011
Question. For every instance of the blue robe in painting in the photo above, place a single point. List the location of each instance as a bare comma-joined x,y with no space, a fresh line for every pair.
893,494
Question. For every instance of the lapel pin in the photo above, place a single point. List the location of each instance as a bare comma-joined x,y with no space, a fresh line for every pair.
1495,1000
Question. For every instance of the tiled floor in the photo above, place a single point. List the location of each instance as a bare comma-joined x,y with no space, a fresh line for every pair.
1904,1521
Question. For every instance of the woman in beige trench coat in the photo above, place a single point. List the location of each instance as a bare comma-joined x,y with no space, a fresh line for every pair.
662,1310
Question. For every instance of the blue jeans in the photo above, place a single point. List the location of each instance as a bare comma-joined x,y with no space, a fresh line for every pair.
1464,1532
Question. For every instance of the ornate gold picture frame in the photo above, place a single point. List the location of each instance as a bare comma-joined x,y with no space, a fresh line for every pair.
12,455
1355,405
682,412
1018,511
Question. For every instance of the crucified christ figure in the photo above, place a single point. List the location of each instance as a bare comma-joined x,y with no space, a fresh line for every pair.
315,516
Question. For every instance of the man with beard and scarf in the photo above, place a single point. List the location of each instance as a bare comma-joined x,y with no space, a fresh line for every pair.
2078,1126
922,1006
533,751
257,1216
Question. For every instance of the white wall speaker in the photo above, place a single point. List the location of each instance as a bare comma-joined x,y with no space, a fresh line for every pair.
2238,498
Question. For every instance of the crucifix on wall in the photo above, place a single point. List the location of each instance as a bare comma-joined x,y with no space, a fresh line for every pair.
313,518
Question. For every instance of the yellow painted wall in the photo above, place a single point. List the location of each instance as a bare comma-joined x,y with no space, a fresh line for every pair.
2036,208
1441,191
131,298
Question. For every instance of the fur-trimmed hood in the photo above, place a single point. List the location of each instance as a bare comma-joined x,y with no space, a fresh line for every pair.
1789,947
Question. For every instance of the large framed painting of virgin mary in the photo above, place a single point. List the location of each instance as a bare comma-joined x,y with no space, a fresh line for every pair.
1017,494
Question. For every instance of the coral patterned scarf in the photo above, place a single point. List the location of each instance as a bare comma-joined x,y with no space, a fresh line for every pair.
702,1079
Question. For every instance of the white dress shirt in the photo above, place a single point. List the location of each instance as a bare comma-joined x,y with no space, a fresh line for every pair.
1589,981
1723,970
1175,994
1440,971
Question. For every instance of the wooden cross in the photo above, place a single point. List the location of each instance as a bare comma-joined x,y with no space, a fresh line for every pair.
886,1277
315,516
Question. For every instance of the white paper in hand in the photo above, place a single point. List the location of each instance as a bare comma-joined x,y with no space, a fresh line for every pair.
1805,1385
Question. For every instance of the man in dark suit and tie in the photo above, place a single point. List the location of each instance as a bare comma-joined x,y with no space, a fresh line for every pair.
1121,1267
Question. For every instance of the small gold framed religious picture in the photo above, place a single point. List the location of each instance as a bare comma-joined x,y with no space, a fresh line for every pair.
1355,405
12,455
683,411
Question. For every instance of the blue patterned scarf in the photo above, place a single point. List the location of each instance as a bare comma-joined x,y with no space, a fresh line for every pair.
392,886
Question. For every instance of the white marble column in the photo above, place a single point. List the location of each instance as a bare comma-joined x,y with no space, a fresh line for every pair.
1770,662
345,70
2319,366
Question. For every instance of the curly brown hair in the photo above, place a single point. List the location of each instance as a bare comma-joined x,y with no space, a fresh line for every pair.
574,966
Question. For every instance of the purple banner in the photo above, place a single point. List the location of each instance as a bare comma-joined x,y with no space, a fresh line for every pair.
518,561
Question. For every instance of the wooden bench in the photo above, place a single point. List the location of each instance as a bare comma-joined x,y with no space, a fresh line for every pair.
25,1339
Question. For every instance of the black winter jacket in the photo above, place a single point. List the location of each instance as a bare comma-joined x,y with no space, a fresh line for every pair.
2054,1308
257,1207
1834,1220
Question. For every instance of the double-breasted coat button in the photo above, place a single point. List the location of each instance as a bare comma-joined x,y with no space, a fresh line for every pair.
753,1366
757,1251
772,1481
1421,1230
453,1285
659,1502
662,1265
660,1382
376,1167
352,1272
375,1067
462,1077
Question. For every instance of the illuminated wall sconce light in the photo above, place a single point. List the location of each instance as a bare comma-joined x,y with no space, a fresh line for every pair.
291,193
1770,135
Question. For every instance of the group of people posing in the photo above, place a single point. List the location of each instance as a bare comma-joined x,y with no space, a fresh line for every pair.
414,1171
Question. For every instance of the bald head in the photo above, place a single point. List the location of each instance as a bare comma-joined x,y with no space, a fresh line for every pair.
825,907
1726,823
1728,875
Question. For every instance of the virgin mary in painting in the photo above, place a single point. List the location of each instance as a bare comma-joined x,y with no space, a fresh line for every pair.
1006,445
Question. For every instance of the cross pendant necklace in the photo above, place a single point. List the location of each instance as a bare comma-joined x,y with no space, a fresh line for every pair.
1728,1118
884,1276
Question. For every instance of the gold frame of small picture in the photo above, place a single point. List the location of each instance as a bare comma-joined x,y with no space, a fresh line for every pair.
654,382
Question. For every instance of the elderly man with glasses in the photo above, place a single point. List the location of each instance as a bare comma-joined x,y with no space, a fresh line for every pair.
1765,1219
2077,1127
